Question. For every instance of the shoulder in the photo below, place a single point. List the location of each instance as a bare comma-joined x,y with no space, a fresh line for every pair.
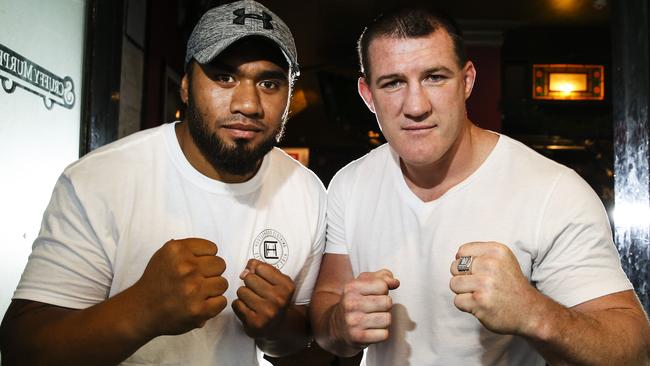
369,167
549,180
285,166
120,157
528,164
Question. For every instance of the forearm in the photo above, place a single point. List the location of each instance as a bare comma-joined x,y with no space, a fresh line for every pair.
326,323
104,334
604,337
290,335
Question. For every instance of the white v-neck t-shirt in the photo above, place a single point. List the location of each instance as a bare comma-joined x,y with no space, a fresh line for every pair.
544,212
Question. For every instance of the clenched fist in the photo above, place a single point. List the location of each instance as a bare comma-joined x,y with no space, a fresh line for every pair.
494,290
264,298
182,286
364,310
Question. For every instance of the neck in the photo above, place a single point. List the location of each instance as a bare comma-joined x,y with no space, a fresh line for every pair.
464,157
196,158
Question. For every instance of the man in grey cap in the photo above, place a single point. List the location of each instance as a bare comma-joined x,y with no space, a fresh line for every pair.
145,241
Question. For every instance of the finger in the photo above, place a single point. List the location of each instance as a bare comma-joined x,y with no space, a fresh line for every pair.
251,267
368,303
465,302
251,299
210,266
199,246
474,266
214,286
271,274
368,336
215,305
367,287
387,276
392,283
379,320
242,311
463,284
258,285
382,273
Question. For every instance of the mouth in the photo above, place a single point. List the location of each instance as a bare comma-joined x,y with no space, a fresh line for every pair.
418,128
242,130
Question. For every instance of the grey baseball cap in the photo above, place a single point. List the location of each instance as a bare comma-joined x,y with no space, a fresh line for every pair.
220,27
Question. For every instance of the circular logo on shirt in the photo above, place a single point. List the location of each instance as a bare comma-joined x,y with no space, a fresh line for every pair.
270,247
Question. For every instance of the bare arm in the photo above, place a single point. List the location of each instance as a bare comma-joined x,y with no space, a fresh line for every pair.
346,313
610,330
335,272
181,289
35,333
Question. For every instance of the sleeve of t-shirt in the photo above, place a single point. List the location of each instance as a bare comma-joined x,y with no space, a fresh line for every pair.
306,278
336,198
577,260
67,266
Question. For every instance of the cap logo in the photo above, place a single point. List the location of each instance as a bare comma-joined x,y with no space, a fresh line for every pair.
241,16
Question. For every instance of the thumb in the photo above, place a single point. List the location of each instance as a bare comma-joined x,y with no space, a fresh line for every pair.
392,283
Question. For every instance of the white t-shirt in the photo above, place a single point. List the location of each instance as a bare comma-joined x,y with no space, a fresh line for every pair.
111,210
544,212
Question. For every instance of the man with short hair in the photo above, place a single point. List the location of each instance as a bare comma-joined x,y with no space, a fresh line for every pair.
146,240
534,272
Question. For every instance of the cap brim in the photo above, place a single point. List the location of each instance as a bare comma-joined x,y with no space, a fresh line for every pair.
209,53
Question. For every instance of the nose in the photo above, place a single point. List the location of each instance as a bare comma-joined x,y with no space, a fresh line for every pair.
417,105
246,100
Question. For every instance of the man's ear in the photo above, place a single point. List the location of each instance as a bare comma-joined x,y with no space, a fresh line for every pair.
366,95
185,85
469,72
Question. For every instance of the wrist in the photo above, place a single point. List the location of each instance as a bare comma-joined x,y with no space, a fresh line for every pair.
540,322
140,322
340,335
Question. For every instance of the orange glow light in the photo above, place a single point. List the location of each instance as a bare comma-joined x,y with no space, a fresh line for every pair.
567,83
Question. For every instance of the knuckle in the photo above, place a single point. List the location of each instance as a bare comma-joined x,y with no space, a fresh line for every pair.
350,287
352,320
479,297
184,268
189,289
352,303
195,311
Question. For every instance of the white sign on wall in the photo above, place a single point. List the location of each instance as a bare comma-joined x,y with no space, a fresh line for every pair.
41,60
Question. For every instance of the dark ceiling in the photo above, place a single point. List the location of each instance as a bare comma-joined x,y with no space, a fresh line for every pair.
325,31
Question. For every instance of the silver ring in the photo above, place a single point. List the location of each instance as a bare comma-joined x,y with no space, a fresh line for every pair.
464,264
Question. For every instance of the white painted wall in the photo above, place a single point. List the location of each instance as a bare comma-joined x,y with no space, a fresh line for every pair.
36,144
